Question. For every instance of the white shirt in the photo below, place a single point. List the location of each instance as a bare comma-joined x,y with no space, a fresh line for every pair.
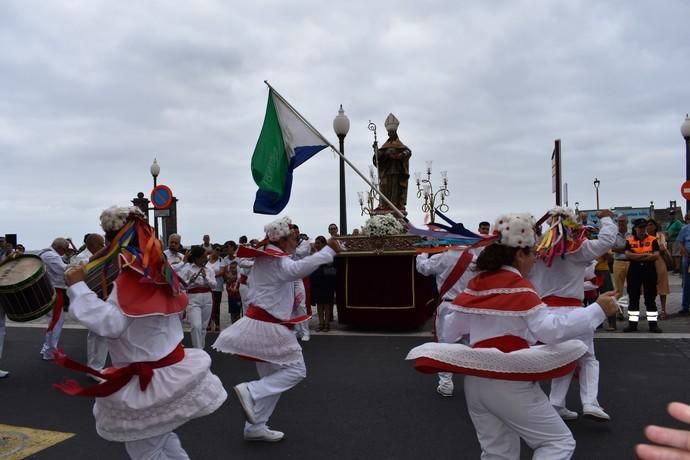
271,284
443,264
82,257
130,340
205,279
540,324
175,259
55,267
564,277
214,267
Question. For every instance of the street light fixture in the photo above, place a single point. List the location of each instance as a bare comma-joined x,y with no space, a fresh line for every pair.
155,171
341,125
597,182
685,132
577,207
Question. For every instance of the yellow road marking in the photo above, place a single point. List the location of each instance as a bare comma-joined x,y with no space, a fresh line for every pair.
18,442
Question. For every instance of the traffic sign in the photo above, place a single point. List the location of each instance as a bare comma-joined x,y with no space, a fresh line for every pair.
685,189
161,197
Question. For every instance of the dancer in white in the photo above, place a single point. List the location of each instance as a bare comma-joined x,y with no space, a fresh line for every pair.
564,254
264,334
504,318
3,374
155,385
453,270
55,269
200,280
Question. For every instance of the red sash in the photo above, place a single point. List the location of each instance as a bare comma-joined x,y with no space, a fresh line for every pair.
199,290
558,301
114,379
260,314
58,306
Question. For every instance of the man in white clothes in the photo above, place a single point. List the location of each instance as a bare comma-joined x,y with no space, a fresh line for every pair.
3,374
453,270
96,346
244,269
55,270
558,278
173,254
264,334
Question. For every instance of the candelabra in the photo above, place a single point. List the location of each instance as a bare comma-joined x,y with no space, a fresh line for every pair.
368,200
425,189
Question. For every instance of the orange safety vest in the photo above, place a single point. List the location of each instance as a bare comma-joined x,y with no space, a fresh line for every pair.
644,246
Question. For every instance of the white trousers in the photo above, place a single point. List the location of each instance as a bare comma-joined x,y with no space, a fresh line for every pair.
588,368
302,329
450,328
198,314
275,379
504,411
244,290
96,351
164,447
50,342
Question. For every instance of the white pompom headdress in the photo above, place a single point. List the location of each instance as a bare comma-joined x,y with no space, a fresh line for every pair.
278,229
114,218
515,230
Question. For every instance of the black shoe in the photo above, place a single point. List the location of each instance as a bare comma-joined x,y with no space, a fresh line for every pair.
654,328
632,327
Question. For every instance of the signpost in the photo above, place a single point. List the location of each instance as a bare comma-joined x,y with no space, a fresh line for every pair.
685,189
161,197
556,171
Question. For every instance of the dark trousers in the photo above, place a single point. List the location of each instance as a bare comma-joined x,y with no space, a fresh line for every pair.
639,276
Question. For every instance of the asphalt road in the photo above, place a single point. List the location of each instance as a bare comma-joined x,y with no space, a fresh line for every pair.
361,400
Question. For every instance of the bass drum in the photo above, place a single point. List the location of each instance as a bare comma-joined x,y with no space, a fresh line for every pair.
25,292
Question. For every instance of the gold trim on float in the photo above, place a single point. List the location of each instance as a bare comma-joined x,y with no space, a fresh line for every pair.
347,290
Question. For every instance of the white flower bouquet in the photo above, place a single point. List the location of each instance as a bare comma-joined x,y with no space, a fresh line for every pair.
382,225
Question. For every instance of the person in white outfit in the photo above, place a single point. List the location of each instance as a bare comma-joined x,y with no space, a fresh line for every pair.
96,346
200,280
505,318
155,385
264,334
3,374
173,254
453,270
55,270
558,278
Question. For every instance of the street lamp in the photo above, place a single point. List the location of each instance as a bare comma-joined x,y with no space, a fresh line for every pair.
685,131
341,125
155,171
577,207
597,182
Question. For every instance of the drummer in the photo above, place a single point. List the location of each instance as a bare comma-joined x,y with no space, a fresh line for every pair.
55,269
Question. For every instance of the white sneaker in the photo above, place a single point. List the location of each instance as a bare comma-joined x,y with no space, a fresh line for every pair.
566,414
595,413
265,435
305,338
246,401
4,374
445,389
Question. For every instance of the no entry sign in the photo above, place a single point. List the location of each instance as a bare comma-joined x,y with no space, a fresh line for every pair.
685,189
161,196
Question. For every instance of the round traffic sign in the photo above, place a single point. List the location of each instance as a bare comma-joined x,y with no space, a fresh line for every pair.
161,197
685,189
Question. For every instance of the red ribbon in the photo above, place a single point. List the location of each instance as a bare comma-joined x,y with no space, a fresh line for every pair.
57,308
114,380
260,314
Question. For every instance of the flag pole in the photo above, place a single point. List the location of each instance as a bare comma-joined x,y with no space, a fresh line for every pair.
335,149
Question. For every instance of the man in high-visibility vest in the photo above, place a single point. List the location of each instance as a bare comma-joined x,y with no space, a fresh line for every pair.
641,250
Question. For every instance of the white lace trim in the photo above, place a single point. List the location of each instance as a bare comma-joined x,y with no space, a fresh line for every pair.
490,311
498,291
533,360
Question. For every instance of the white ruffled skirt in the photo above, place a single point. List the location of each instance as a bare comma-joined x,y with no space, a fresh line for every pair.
539,362
270,342
176,394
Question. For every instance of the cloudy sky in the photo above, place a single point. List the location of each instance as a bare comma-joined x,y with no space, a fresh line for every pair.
91,91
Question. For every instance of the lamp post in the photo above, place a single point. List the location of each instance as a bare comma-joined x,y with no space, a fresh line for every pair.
685,131
155,171
597,182
341,125
577,207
